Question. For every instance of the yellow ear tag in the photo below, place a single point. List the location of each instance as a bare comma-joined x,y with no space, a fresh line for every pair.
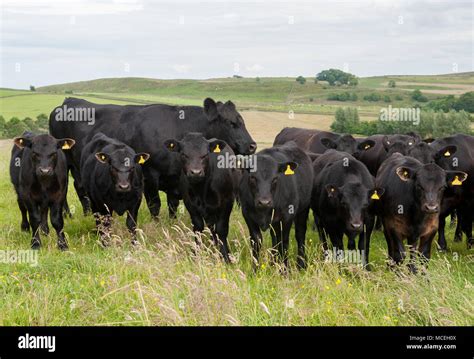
405,174
375,196
289,171
447,154
366,147
141,160
66,146
21,141
456,181
217,149
103,158
171,145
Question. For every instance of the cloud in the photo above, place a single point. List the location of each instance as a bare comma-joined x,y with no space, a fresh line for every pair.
70,7
254,68
182,69
215,35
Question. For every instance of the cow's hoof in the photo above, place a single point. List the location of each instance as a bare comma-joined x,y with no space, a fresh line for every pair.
470,243
458,238
45,230
63,246
35,245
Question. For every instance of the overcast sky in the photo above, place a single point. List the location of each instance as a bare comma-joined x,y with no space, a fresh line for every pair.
56,41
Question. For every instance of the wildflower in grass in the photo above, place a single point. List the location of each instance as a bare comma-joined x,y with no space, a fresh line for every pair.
350,284
327,287
102,283
387,318
338,281
263,266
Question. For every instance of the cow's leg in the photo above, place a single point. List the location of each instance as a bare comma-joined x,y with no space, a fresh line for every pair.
81,193
58,224
285,241
425,246
132,216
255,240
351,244
44,220
152,197
34,213
458,232
222,230
414,254
67,210
25,225
300,235
173,203
454,222
369,227
275,232
466,217
322,235
103,222
441,233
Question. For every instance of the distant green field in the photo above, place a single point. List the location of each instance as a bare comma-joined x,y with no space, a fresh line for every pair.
269,94
166,280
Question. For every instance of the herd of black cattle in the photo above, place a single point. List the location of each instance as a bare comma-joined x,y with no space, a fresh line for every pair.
409,184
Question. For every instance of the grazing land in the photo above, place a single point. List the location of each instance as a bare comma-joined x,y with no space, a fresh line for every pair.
166,280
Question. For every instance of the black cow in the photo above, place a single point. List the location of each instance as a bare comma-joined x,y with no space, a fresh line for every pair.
457,153
411,204
145,128
276,194
38,170
113,181
316,141
384,147
343,199
208,189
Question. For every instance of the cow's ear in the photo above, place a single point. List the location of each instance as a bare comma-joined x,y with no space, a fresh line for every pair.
386,143
447,152
22,142
287,168
376,193
415,136
455,178
366,145
172,145
141,158
210,109
216,146
230,105
327,142
404,173
332,190
66,143
102,157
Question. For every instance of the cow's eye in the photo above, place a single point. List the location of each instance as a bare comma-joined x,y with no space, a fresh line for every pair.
234,125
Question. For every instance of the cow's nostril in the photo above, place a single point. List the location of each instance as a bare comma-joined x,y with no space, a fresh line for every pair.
265,202
356,225
196,172
124,185
252,147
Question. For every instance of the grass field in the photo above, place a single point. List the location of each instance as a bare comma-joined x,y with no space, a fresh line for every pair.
165,281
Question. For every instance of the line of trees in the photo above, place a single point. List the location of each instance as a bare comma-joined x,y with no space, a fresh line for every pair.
15,127
431,124
337,77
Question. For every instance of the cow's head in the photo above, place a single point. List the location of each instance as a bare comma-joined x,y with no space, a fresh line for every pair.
194,152
226,123
347,143
399,143
352,200
122,163
264,182
45,150
425,153
429,183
